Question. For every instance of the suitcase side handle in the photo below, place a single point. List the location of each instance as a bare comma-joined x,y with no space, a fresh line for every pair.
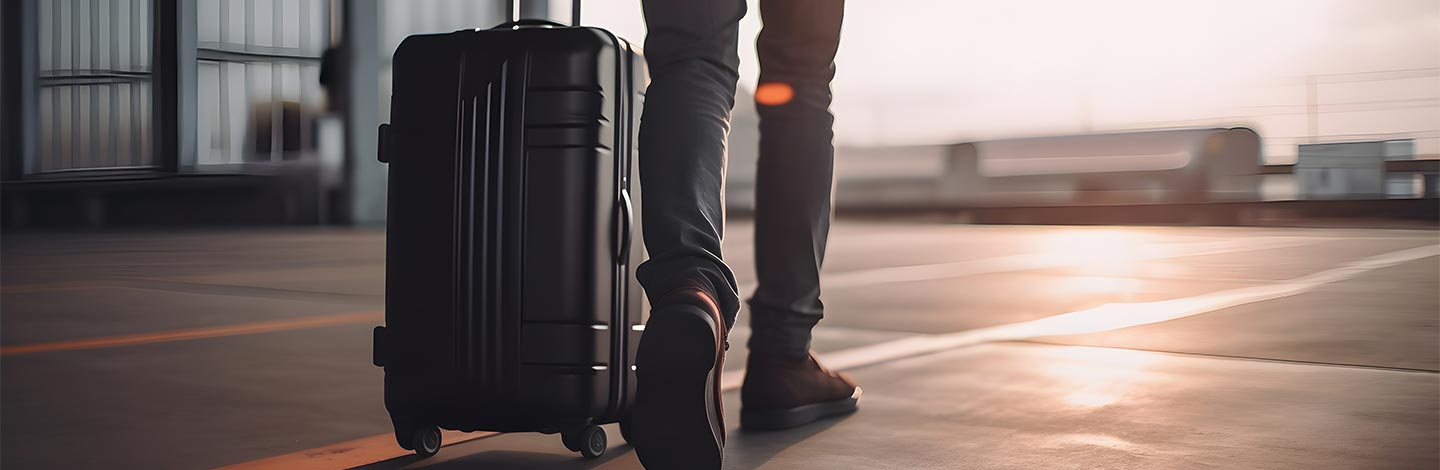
382,147
380,351
626,213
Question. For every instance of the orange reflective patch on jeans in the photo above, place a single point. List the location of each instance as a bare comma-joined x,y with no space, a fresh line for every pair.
774,93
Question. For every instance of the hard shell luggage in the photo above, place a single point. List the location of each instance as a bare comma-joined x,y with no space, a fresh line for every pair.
513,233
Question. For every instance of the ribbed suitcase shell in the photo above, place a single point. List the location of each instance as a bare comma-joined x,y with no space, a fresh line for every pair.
513,230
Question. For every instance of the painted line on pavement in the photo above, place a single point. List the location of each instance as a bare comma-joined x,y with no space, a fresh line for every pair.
1035,261
196,333
39,287
350,454
1111,316
836,280
1236,357
1106,317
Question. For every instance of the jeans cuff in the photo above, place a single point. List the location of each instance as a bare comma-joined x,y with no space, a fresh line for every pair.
780,334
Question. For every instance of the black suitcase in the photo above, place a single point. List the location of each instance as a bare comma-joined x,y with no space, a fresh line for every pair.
513,234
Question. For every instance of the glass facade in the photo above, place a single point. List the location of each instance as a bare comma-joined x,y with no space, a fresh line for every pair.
94,82
258,88
146,90
257,82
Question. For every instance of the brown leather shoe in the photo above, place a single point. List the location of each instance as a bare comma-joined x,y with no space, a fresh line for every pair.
785,393
678,422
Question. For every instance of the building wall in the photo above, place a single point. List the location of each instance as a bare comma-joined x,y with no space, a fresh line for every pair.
1353,170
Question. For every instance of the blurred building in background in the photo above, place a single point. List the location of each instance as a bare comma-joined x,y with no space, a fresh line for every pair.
1360,170
120,112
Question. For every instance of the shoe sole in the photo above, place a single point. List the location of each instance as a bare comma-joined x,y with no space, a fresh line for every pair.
675,424
765,420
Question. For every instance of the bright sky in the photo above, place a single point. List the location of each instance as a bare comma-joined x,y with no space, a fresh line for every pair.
933,71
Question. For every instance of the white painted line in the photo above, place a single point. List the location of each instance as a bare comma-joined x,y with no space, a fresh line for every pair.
1106,317
832,333
1035,261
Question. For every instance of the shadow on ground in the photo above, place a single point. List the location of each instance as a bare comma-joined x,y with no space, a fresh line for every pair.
753,449
744,451
509,459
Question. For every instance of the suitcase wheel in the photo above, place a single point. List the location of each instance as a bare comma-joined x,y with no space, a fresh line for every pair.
589,441
425,441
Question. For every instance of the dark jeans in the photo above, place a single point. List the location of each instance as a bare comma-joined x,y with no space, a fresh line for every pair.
691,51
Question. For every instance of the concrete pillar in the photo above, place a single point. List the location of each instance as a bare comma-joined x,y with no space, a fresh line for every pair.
365,178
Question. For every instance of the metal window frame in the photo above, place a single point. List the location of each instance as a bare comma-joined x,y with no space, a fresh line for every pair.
174,77
19,97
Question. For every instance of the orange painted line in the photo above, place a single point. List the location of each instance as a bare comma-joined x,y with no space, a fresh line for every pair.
53,287
349,454
196,333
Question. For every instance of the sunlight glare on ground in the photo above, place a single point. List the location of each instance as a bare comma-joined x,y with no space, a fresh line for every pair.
1100,285
1098,252
1095,377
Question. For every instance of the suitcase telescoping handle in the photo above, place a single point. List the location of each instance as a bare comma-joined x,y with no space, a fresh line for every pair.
528,23
513,12
627,224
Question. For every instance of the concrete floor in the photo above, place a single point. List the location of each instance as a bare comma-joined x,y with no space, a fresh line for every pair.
1339,374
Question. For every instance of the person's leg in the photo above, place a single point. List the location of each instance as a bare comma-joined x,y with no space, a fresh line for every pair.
784,386
796,165
677,421
691,54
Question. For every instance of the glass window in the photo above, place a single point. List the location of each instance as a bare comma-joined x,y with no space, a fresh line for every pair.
258,79
95,85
